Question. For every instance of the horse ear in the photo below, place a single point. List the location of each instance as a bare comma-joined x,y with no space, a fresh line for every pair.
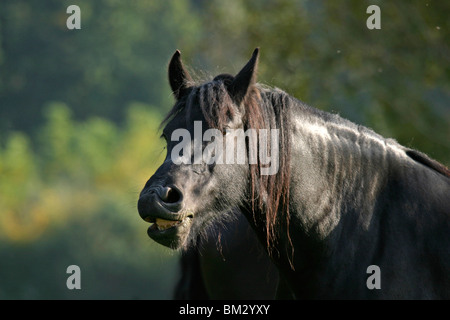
244,79
178,75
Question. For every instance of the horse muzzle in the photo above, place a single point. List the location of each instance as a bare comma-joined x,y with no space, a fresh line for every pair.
163,208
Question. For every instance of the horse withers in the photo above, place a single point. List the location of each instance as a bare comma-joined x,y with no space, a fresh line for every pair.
341,200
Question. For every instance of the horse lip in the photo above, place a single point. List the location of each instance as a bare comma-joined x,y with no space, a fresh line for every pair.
172,207
173,237
158,209
165,212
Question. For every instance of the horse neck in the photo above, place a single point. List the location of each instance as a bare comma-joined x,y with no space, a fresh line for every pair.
337,169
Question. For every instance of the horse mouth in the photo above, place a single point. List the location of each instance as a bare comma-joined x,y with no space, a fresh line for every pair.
170,233
162,224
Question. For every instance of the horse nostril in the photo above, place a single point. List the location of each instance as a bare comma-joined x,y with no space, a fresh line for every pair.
170,195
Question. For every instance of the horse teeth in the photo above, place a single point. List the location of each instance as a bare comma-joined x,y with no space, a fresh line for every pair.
163,224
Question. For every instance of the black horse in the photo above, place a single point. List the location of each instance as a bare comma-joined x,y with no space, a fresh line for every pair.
341,202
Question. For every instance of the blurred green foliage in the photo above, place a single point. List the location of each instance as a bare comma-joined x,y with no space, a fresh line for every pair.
73,201
116,57
80,109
